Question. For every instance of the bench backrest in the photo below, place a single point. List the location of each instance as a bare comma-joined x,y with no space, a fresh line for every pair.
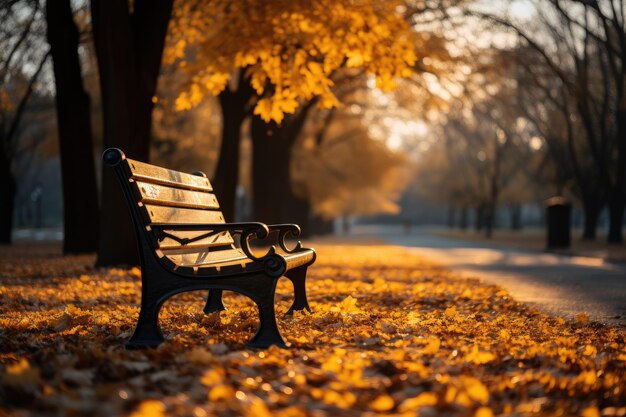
160,196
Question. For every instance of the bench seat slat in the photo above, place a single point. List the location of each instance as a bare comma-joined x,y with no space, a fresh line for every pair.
205,259
171,215
221,239
186,258
175,197
157,175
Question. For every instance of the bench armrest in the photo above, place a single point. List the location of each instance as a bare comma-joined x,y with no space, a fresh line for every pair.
245,230
285,230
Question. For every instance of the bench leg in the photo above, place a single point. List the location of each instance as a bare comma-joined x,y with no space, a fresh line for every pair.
214,302
268,333
298,278
147,332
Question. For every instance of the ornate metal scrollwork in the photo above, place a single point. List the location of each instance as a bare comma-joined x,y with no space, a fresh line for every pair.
274,265
245,230
259,233
284,230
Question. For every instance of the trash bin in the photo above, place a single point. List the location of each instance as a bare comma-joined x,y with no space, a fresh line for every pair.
558,219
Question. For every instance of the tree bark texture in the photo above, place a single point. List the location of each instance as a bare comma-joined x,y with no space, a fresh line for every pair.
129,48
235,108
7,190
80,191
479,220
516,217
451,217
617,204
617,199
592,208
273,198
463,221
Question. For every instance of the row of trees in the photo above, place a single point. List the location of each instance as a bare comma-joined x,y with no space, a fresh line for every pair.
17,47
550,102
544,109
577,68
129,60
284,66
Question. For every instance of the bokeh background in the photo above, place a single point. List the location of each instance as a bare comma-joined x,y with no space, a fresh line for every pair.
457,113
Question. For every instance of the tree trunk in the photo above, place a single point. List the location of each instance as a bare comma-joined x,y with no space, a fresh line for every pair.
451,218
463,221
479,221
298,211
273,198
490,217
234,111
345,225
617,204
80,191
129,60
319,226
270,169
617,199
116,66
516,217
592,209
7,191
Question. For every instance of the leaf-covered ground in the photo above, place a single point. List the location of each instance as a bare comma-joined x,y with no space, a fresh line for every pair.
391,334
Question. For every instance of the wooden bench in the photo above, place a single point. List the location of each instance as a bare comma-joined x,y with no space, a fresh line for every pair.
185,245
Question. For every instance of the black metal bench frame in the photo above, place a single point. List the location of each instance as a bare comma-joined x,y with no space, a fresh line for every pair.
161,279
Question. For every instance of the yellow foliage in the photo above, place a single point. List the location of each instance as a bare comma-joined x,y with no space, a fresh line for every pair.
259,409
349,172
590,412
290,49
590,350
475,389
221,392
483,412
21,373
478,356
378,342
339,399
582,318
212,377
382,403
451,311
348,305
150,408
423,399
200,355
432,345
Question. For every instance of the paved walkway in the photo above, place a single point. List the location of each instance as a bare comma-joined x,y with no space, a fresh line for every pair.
562,285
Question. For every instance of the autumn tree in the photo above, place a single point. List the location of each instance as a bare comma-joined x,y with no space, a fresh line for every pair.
342,171
449,175
288,53
502,137
235,104
487,144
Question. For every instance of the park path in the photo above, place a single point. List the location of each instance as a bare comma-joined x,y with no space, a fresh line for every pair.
557,284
